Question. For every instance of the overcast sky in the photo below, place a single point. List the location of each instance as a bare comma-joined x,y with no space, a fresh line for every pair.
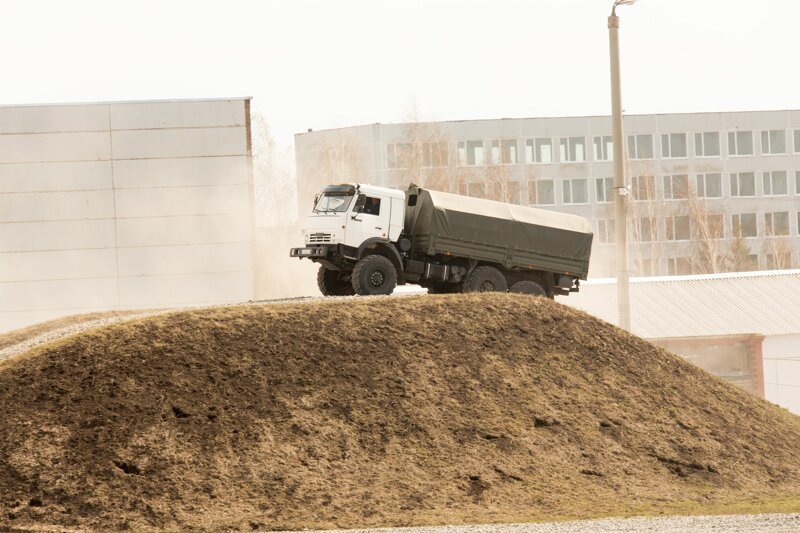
322,64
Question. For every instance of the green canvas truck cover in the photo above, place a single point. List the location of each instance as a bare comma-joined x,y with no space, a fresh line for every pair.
508,234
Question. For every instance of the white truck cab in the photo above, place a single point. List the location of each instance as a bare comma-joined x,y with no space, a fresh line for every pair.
354,214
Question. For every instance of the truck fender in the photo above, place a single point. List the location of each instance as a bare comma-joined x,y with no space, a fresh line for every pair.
383,244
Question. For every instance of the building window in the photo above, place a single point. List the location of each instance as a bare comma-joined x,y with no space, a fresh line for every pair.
640,146
572,149
779,261
476,189
470,153
776,224
773,142
604,189
434,154
647,229
676,187
797,182
673,145
643,188
541,192
504,191
603,148
709,185
539,150
398,155
504,152
740,143
606,231
647,267
797,144
679,266
712,228
575,191
744,224
678,228
706,144
775,183
743,184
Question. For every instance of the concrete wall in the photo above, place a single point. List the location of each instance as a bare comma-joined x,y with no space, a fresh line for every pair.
123,205
782,371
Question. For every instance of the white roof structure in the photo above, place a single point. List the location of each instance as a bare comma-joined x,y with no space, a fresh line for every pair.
765,302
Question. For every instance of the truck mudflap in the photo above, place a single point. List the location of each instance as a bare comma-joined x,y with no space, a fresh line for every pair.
309,251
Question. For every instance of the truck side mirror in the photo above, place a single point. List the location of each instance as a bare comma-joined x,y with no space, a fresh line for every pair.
316,199
361,201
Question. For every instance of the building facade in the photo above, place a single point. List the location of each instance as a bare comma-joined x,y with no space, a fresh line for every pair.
122,206
710,192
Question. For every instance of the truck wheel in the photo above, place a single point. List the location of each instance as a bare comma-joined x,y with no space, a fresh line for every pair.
528,287
374,274
485,279
334,282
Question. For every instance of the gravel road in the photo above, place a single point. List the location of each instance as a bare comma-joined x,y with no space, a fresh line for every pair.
696,524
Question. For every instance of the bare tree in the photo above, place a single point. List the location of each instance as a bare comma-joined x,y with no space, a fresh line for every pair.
708,232
738,251
778,252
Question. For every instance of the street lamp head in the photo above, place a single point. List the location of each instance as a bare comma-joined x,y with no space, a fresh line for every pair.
621,3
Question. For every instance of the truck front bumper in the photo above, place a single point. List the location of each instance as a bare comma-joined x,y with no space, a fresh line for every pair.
309,251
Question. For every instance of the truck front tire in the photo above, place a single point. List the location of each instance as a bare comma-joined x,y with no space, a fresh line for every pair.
334,282
374,274
486,279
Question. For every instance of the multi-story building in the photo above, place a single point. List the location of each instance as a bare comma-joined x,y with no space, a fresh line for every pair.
709,192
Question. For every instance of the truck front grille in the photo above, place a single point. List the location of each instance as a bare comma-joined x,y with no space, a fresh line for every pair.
314,238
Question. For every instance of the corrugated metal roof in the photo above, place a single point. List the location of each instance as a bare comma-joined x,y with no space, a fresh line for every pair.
693,306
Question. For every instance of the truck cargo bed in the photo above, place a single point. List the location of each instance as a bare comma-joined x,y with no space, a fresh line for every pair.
511,235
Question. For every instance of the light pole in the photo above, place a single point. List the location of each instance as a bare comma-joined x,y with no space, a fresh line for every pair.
620,185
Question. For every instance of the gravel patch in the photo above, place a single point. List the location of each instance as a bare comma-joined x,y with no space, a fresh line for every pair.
74,329
719,523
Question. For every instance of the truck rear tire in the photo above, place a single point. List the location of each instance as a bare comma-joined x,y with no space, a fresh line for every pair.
486,279
374,274
334,282
528,287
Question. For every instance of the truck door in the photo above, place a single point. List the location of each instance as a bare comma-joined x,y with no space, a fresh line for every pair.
369,217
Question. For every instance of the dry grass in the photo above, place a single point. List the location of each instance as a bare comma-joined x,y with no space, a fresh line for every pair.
397,411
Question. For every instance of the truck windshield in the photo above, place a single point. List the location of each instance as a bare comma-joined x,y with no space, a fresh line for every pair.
333,203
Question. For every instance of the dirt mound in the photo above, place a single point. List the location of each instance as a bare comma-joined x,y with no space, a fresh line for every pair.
16,336
380,411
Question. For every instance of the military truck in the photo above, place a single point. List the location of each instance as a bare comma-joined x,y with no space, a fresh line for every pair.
368,240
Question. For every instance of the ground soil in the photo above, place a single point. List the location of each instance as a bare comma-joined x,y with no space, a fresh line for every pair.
375,412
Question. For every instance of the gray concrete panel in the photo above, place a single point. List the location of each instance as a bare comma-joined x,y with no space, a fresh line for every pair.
57,235
58,294
186,289
189,259
183,230
53,118
169,201
159,115
183,172
39,177
62,264
39,207
143,144
50,147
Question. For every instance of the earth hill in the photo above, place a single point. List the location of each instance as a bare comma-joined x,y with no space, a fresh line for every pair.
376,412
